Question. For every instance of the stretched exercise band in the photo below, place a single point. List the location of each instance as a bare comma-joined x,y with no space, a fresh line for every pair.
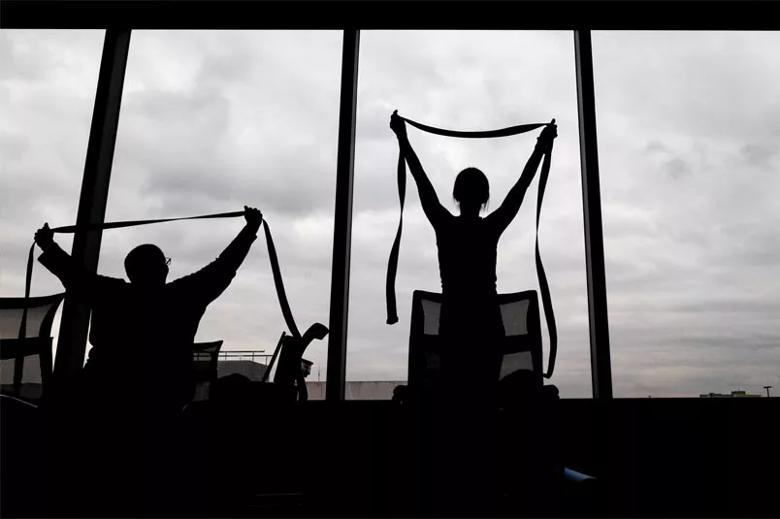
277,274
392,265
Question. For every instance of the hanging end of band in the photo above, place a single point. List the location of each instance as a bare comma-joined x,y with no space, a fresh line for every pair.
392,319
551,362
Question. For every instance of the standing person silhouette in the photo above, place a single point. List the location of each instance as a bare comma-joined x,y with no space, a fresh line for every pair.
126,415
460,431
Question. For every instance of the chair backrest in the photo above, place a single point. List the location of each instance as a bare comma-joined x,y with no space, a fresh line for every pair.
205,356
37,341
521,345
205,359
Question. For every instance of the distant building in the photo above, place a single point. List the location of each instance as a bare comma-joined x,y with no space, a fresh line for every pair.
251,370
734,394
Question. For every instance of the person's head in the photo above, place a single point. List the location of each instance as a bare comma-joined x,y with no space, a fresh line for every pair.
146,265
471,189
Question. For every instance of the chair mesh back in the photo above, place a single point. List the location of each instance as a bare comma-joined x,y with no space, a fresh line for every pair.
31,370
40,315
431,313
521,344
205,358
519,361
11,320
514,315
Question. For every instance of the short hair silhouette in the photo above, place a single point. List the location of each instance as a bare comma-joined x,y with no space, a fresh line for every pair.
146,264
471,185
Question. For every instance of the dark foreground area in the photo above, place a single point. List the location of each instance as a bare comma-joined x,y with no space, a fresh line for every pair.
655,457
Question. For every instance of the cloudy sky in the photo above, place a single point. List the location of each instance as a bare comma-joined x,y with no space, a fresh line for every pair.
688,146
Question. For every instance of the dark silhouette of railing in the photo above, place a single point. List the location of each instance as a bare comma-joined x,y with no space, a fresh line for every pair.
251,355
258,356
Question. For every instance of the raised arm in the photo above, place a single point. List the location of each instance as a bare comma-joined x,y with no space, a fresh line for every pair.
77,280
504,215
433,209
210,281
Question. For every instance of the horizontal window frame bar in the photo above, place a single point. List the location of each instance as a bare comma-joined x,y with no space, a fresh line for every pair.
390,14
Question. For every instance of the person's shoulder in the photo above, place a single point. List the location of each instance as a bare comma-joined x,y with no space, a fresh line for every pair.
445,223
187,283
178,283
109,288
492,219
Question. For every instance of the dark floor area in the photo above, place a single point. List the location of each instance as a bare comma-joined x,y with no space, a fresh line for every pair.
651,458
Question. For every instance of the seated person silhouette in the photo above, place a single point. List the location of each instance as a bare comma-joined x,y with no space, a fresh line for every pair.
142,331
470,320
459,433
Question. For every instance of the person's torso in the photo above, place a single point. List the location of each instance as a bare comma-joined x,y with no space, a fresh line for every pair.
467,257
144,332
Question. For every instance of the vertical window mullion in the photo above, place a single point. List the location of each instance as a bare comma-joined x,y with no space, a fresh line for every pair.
342,232
71,345
601,370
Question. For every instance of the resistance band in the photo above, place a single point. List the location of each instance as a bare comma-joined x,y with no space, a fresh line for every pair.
392,266
277,274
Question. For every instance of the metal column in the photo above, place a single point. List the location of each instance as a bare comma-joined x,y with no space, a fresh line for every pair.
94,193
601,369
342,232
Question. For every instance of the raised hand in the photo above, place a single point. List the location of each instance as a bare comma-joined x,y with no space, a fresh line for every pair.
549,133
397,124
253,216
44,237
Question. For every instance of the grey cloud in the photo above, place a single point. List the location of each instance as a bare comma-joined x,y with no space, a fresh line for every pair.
17,63
697,93
162,112
760,154
655,146
677,168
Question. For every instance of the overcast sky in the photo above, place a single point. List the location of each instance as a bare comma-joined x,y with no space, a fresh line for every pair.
688,127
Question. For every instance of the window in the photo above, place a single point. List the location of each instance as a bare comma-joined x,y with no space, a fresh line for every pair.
464,80
688,126
47,92
213,120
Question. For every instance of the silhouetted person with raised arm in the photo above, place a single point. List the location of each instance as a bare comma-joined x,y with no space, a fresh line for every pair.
143,330
467,244
139,373
462,431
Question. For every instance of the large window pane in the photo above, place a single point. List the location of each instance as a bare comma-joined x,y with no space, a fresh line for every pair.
211,121
464,80
688,145
47,91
